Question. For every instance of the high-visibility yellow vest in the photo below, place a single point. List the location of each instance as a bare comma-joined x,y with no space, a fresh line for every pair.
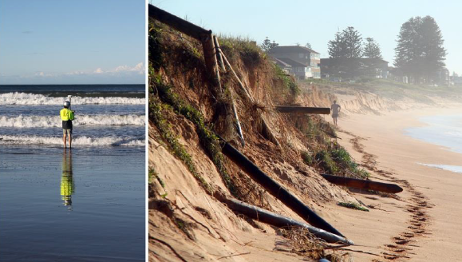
66,114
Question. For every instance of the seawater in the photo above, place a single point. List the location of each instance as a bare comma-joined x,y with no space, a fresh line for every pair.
84,204
105,115
442,130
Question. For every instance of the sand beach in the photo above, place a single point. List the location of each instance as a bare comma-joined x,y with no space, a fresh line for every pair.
420,224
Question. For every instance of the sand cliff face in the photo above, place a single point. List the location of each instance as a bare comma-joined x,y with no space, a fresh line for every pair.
379,96
186,221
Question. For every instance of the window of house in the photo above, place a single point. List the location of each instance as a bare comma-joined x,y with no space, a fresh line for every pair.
301,55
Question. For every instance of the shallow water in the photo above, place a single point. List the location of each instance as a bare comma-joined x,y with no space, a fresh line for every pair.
80,205
442,130
87,204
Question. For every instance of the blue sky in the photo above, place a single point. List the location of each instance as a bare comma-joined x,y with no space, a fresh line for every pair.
300,21
72,42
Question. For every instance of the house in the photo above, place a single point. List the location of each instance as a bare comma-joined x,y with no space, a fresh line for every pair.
299,70
304,61
353,68
283,65
442,77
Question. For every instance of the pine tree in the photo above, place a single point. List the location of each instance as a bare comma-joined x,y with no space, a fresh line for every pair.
420,53
372,49
336,47
267,45
353,43
347,44
345,51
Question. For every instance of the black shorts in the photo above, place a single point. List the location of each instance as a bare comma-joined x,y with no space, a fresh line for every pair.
67,124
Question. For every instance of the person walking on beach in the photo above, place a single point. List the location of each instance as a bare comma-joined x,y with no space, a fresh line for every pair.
67,115
335,111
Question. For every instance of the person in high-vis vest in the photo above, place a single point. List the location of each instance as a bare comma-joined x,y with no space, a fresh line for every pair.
67,116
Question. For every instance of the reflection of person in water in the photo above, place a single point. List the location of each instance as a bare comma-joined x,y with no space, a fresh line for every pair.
67,183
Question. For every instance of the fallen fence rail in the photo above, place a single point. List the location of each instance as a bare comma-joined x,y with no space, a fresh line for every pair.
271,218
303,109
363,184
275,189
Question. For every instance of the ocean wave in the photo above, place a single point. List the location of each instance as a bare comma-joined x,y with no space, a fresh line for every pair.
77,141
80,120
17,98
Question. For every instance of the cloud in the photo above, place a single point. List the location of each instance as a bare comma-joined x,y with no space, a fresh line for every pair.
42,74
138,68
75,73
123,74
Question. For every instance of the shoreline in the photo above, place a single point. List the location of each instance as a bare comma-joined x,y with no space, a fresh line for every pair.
431,195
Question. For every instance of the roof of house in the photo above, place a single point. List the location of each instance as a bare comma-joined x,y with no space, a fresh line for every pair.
291,62
291,49
279,62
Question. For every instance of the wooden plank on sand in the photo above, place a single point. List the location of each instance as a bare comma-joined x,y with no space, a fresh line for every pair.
363,184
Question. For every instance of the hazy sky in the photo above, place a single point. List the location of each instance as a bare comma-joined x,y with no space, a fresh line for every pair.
291,22
72,42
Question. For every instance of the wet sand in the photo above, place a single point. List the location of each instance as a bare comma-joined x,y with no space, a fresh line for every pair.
84,205
423,223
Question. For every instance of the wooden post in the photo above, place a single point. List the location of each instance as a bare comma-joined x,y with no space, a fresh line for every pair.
238,123
179,24
211,63
219,54
241,85
303,109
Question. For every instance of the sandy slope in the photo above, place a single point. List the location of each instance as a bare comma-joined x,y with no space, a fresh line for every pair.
424,223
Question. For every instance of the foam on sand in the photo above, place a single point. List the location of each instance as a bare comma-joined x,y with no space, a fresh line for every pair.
80,120
17,98
455,169
76,141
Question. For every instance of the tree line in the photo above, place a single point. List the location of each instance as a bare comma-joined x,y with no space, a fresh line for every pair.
419,53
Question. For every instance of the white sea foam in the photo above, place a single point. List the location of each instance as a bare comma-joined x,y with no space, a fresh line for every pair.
38,99
455,169
80,120
78,141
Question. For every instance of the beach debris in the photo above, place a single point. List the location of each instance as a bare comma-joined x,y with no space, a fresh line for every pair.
363,184
274,219
303,109
275,188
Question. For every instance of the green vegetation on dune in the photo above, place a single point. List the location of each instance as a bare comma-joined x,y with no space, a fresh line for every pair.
326,155
207,138
156,115
248,51
288,82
